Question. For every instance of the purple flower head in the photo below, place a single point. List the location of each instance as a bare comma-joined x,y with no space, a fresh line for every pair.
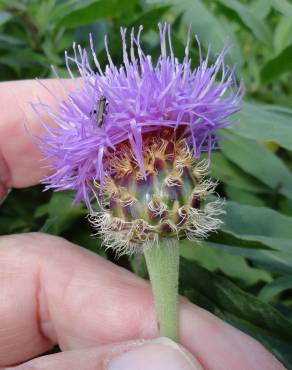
132,101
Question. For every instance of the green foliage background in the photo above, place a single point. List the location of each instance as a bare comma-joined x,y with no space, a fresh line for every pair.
243,273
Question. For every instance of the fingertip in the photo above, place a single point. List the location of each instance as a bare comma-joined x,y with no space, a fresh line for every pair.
19,124
158,354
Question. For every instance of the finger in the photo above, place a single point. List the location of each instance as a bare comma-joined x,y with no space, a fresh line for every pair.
20,164
53,291
143,355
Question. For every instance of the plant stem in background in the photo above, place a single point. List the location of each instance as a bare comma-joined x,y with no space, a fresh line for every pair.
163,268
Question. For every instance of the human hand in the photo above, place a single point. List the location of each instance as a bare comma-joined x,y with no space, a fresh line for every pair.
52,291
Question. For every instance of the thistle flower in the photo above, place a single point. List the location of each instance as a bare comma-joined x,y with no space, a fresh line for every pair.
131,137
139,154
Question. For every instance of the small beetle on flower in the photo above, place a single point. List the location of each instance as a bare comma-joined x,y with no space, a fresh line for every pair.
100,110
139,154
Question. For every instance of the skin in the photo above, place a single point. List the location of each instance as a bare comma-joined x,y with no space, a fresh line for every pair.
52,291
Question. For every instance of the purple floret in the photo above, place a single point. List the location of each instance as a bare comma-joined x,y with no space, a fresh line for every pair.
143,98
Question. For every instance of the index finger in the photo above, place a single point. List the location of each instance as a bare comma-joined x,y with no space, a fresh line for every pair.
20,158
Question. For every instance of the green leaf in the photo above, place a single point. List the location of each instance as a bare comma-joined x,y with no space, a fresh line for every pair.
285,111
149,19
285,206
260,162
283,6
275,287
63,9
94,11
248,220
43,13
232,300
10,41
17,211
246,224
242,310
279,262
275,67
62,217
263,123
260,8
283,34
217,260
4,17
24,58
64,198
210,29
41,210
244,197
226,171
259,224
49,49
254,24
235,240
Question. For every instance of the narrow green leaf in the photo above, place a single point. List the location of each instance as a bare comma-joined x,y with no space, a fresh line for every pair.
41,211
63,9
226,171
278,65
264,123
260,8
243,197
285,111
259,224
260,162
62,218
228,297
149,19
235,240
65,198
24,58
211,30
43,15
283,34
4,17
96,10
10,41
214,259
255,25
248,220
283,6
275,287
279,262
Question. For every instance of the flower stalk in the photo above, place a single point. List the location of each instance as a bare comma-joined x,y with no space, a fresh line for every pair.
163,268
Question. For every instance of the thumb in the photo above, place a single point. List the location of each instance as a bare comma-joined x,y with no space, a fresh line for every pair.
158,354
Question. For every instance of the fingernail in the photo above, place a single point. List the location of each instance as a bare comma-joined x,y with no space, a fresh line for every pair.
158,354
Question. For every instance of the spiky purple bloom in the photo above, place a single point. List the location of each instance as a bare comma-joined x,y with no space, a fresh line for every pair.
144,98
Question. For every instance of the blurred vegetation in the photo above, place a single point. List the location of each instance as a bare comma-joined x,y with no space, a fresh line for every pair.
243,273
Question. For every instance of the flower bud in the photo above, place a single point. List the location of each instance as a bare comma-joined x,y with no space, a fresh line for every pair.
169,201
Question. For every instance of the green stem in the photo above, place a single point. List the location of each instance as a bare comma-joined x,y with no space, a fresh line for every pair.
163,267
